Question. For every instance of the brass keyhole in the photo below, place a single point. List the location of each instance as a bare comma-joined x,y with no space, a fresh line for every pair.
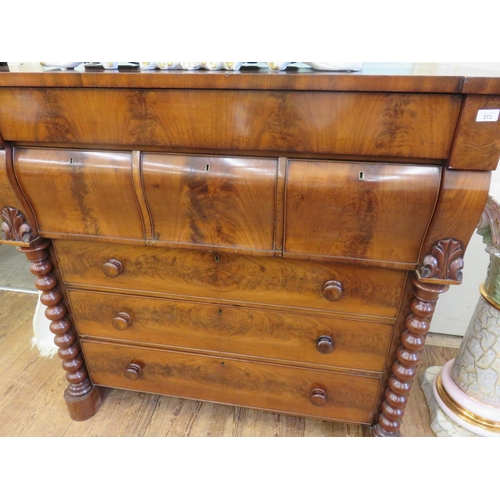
207,167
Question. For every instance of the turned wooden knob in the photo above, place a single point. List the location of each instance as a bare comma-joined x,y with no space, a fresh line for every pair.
318,396
332,290
134,371
324,344
112,268
122,321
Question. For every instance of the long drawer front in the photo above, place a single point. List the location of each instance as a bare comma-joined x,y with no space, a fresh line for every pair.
209,378
238,278
240,331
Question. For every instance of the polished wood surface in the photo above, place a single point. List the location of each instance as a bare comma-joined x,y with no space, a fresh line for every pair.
461,202
389,124
25,407
477,144
374,77
285,272
91,193
18,224
259,333
349,209
235,278
219,202
231,381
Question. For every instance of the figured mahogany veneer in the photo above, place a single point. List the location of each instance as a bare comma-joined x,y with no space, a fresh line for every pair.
92,190
212,201
350,209
261,333
232,381
235,278
348,123
276,241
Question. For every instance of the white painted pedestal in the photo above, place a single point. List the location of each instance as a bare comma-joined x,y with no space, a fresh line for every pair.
464,396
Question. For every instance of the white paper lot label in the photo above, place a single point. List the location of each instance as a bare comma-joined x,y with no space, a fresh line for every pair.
487,115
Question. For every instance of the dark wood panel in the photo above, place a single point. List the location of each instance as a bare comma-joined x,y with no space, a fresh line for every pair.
224,202
83,192
257,385
359,210
260,280
477,143
402,125
242,331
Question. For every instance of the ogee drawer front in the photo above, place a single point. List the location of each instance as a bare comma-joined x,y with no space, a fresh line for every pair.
237,330
258,385
359,210
283,282
212,201
83,193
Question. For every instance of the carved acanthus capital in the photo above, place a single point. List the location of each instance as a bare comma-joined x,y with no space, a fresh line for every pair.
444,263
14,226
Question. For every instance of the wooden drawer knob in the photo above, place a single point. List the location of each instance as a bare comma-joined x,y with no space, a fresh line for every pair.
112,268
318,397
332,290
324,344
134,371
122,321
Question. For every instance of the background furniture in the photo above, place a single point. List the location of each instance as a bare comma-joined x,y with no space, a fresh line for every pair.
277,241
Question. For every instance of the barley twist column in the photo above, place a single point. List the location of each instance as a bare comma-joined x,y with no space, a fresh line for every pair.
442,267
408,355
82,398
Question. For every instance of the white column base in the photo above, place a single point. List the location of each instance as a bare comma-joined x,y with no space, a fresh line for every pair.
441,424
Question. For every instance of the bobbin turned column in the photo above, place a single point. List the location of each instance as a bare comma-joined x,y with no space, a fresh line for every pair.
442,267
404,369
82,398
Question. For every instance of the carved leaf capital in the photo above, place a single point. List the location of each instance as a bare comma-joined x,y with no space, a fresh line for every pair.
445,262
14,226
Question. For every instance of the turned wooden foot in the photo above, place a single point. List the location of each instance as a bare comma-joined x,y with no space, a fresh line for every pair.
82,398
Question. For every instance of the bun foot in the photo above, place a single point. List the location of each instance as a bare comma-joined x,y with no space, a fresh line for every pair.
84,407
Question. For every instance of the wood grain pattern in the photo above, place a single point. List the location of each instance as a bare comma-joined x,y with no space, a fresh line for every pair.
280,208
242,331
137,179
7,196
378,80
25,408
391,124
87,192
477,144
460,205
258,385
214,201
481,85
359,210
12,200
259,280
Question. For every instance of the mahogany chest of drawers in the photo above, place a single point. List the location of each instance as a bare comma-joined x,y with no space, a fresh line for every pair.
275,241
